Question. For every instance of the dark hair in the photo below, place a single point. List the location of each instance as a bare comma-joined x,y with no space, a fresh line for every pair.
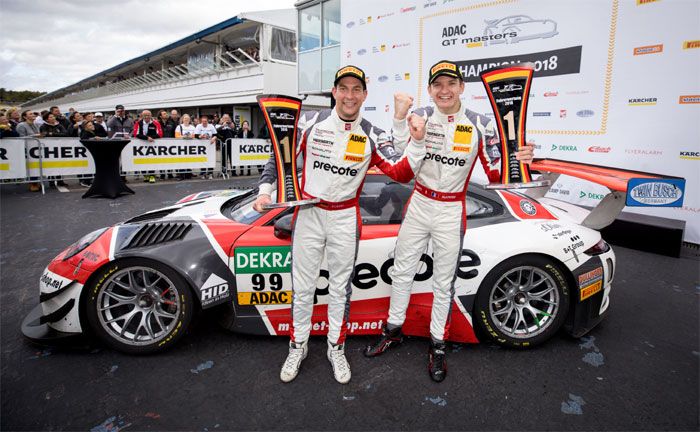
52,108
24,114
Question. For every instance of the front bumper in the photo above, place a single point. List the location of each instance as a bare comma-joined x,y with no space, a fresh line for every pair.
35,327
586,312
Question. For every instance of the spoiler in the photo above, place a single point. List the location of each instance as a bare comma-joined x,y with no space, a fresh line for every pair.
627,187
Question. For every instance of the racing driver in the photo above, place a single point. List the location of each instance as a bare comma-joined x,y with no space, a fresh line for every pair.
337,146
455,138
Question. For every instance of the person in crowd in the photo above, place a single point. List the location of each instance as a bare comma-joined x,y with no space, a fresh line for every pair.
171,124
163,118
6,130
88,130
101,123
13,115
206,131
185,130
28,128
150,130
214,119
52,127
120,123
245,131
56,111
225,131
39,120
76,121
99,130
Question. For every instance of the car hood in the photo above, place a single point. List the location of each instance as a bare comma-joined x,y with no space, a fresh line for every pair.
202,205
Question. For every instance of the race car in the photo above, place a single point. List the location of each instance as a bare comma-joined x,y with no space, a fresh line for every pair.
530,265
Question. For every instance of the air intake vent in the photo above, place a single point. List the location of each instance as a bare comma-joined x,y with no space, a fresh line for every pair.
158,232
153,215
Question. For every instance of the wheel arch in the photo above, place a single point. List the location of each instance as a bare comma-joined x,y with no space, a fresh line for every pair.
91,280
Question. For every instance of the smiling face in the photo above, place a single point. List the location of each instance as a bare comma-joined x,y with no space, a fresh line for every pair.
445,91
349,96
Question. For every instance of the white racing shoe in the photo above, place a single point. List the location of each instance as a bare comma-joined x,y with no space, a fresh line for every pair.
290,368
341,368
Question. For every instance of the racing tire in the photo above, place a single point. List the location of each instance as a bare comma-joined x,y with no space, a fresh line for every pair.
138,306
522,302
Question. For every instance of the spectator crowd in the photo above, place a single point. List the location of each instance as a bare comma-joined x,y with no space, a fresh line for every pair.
94,125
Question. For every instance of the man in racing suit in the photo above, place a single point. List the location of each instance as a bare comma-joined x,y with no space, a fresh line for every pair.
337,147
455,138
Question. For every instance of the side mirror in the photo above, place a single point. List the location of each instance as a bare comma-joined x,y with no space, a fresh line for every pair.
283,227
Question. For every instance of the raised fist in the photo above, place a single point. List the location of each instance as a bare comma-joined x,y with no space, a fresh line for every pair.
402,103
416,126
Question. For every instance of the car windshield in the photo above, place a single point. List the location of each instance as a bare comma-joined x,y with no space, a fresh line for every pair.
383,200
241,210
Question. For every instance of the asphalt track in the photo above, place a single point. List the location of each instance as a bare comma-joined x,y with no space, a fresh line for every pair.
636,371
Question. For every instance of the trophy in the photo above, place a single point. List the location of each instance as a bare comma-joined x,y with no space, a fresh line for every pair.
508,89
281,117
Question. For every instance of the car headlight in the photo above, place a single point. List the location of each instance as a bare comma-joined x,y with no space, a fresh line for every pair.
84,242
600,248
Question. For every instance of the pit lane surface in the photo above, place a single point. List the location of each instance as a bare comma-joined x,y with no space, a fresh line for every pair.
636,371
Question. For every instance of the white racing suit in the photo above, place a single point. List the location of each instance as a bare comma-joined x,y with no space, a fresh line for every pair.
336,156
436,209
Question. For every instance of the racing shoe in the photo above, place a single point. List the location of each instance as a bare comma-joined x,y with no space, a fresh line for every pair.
388,339
341,368
290,368
437,364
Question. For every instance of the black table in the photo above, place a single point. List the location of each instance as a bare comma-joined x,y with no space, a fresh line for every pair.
107,182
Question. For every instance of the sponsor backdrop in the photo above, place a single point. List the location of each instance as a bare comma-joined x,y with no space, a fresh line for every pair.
615,82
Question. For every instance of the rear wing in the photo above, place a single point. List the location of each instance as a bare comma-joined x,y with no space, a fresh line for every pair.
627,187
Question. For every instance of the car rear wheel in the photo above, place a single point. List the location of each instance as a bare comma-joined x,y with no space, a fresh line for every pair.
523,301
139,306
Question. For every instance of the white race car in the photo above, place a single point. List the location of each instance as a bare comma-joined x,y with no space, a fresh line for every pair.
530,265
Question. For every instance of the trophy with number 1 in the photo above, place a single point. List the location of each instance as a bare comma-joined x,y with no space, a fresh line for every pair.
282,117
508,90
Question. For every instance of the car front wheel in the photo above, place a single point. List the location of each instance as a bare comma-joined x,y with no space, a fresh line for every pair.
139,306
523,301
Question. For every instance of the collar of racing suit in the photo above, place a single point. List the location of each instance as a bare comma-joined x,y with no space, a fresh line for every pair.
448,118
342,125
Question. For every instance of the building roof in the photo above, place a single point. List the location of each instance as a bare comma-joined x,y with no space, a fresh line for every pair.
283,18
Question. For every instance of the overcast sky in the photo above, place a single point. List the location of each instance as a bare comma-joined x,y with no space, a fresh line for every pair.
49,44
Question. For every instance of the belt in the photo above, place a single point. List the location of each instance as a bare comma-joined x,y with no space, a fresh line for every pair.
328,205
439,196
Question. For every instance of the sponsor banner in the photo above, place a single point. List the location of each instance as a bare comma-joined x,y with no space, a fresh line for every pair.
649,49
689,99
12,163
642,192
268,259
249,152
58,156
168,153
572,111
547,63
